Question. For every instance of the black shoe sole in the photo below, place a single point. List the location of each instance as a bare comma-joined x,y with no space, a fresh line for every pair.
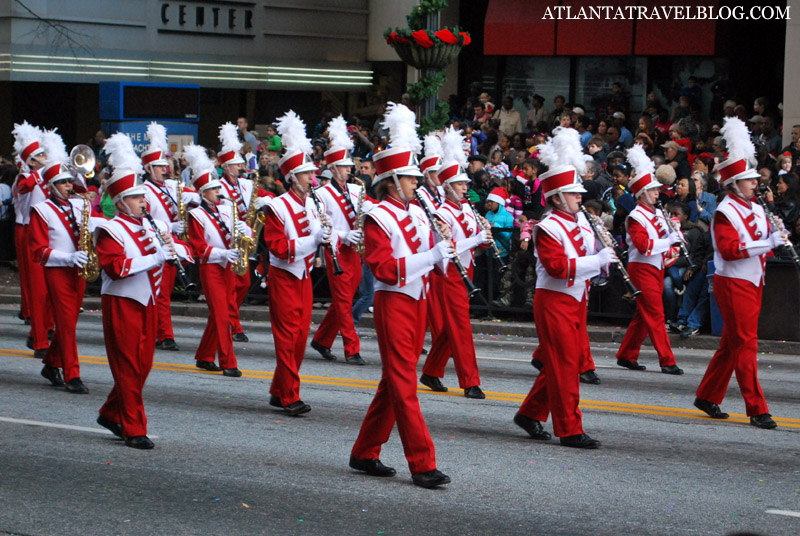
432,386
110,425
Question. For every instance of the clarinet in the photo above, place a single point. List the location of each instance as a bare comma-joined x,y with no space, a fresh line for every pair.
492,243
787,246
456,260
673,226
633,292
184,279
337,269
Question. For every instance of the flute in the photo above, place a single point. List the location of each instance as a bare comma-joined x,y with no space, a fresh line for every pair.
633,292
337,269
673,226
492,243
787,246
184,279
456,260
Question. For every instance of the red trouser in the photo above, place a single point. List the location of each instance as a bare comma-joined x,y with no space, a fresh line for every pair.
164,301
559,319
587,361
339,318
219,285
290,304
455,337
130,332
739,303
22,262
649,317
65,289
241,287
400,325
39,303
434,308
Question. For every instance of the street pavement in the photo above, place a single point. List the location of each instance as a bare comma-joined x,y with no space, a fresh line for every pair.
225,462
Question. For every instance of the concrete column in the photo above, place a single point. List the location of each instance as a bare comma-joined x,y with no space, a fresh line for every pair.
791,72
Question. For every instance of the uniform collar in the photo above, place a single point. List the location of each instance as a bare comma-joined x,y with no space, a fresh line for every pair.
296,198
741,201
396,203
644,207
130,219
564,215
457,206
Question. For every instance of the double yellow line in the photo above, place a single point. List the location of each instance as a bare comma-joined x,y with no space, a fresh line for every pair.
618,407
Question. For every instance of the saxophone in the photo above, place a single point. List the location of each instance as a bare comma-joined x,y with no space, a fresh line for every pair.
182,211
240,242
91,270
359,248
254,219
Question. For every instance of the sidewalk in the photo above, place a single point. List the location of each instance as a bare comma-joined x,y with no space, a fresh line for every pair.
598,331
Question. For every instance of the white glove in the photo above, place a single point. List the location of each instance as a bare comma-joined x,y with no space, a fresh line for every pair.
79,259
776,240
324,233
177,227
353,237
606,256
242,227
675,237
482,238
161,255
261,202
442,250
232,255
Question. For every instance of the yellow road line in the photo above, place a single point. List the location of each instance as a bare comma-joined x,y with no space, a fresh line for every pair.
601,405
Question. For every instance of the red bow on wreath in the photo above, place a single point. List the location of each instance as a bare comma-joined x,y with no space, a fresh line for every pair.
422,39
447,36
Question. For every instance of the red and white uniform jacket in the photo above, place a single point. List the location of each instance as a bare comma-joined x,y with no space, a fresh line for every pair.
340,215
126,251
397,254
162,201
55,231
29,189
241,193
216,229
464,230
648,229
740,234
292,233
565,254
433,202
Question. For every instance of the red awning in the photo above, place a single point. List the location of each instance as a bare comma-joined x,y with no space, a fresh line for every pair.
594,37
516,27
675,37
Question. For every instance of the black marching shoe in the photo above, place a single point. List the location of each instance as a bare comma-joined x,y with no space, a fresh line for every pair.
50,333
632,365
324,352
424,351
169,344
537,364
430,479
532,426
275,402
40,353
75,385
763,421
591,377
53,375
139,442
672,369
207,365
474,392
355,359
232,372
433,383
371,467
240,337
580,441
296,408
114,427
29,342
710,408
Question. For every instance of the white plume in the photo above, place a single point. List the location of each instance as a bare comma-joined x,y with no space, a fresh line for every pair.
640,161
337,133
453,146
197,158
121,154
563,149
157,134
24,134
292,130
737,138
229,136
402,126
54,147
433,145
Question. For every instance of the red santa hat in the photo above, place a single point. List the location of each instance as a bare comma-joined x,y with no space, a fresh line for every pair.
126,178
499,195
564,156
401,156
204,174
741,160
341,144
155,155
292,130
27,141
644,171
231,146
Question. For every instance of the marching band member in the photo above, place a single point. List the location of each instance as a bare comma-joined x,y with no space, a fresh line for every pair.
292,232
29,190
741,238
455,338
130,257
649,237
210,234
237,189
342,205
567,258
19,201
53,238
400,251
162,203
